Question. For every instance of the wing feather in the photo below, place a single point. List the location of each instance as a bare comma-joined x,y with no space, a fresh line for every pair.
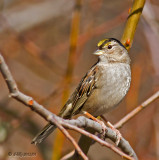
80,95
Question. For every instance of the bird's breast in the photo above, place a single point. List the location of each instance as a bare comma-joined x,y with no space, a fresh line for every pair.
111,87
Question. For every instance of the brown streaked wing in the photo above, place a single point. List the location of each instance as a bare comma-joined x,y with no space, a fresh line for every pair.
81,94
85,89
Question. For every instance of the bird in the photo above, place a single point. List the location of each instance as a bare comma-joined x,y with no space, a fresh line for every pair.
101,89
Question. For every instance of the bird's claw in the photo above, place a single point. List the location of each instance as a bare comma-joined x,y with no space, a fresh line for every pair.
118,136
104,129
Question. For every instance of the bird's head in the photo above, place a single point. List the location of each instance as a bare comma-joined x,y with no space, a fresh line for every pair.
112,50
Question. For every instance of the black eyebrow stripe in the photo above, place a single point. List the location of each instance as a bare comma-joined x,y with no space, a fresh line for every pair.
118,42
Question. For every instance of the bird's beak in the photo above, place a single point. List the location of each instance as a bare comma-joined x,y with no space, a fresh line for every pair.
98,52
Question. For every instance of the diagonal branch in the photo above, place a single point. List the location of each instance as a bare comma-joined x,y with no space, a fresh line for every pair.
28,101
65,132
130,115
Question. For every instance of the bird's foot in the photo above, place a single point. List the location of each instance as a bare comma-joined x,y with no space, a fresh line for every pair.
104,128
118,134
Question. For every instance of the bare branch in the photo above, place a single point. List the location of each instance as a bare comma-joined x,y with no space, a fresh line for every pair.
65,132
137,110
28,101
67,156
83,121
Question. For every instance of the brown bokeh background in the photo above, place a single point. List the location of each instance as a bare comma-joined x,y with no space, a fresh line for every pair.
35,40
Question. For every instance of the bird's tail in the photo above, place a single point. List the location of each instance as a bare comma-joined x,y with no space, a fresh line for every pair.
49,128
45,132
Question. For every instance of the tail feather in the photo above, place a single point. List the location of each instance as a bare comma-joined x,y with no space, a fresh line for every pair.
46,131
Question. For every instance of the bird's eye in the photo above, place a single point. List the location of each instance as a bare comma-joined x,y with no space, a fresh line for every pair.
109,46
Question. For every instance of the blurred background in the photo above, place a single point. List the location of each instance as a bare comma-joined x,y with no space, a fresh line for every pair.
47,45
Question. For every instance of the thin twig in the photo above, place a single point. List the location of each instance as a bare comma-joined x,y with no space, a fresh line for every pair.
67,156
137,110
65,132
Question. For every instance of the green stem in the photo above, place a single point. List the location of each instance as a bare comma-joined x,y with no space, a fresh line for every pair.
132,22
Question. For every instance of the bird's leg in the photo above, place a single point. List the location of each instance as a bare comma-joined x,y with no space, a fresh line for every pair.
118,134
104,128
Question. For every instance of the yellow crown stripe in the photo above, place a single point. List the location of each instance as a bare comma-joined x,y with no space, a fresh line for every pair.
103,43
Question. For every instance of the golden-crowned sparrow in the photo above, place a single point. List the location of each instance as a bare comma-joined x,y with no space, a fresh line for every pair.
103,86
